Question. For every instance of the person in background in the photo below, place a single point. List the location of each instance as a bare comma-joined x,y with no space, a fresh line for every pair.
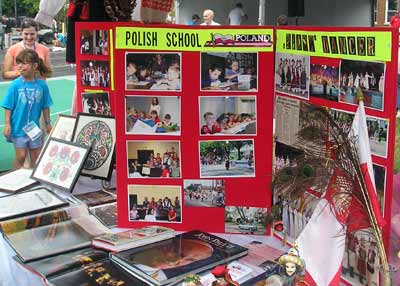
395,20
29,36
59,40
237,15
208,17
282,20
195,20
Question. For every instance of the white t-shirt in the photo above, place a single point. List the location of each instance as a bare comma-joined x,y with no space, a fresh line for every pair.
235,16
212,24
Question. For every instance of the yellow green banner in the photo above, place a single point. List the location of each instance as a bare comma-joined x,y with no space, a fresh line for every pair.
358,45
220,40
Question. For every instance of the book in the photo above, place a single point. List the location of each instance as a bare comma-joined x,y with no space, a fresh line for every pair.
43,235
96,198
99,273
169,261
29,202
133,238
17,180
59,264
107,214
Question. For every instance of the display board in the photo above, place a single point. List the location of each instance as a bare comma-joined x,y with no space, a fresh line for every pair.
326,67
194,112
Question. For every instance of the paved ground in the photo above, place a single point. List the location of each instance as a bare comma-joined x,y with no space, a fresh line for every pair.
220,171
61,86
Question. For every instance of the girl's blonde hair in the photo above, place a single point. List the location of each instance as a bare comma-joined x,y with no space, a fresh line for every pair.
30,56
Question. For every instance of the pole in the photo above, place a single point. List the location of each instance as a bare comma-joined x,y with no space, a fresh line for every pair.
261,13
15,9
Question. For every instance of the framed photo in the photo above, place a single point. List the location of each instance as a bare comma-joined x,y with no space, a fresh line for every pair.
229,71
96,103
60,164
63,127
227,158
98,133
368,76
292,75
228,115
154,159
155,203
153,71
153,115
29,202
95,73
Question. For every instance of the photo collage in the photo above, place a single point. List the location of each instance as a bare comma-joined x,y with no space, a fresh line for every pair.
94,71
304,83
154,96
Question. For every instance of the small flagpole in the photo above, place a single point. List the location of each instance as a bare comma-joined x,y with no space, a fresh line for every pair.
386,279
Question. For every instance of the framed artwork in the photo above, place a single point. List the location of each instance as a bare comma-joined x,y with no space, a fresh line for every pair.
60,164
28,203
63,127
96,132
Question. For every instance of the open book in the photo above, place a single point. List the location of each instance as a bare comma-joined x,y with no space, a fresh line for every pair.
42,235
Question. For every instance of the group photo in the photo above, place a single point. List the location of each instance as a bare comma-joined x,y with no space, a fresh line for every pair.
324,81
229,71
367,76
204,193
95,73
228,115
231,158
153,71
157,159
96,103
160,115
155,203
292,74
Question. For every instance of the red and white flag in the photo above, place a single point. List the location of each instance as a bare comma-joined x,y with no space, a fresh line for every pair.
360,132
322,242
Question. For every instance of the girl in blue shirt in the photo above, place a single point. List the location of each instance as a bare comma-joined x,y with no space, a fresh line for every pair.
26,98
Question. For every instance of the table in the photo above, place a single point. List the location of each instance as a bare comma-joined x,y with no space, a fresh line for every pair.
12,274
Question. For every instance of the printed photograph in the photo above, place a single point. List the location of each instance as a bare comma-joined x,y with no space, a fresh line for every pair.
377,130
368,76
229,71
101,42
380,183
154,71
233,158
324,81
246,220
107,214
292,75
155,203
360,264
204,193
86,42
228,115
95,73
94,42
154,159
160,115
96,103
